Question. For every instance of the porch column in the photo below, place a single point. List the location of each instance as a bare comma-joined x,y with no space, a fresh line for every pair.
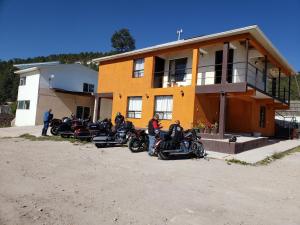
289,94
266,73
195,66
247,59
222,116
279,75
96,107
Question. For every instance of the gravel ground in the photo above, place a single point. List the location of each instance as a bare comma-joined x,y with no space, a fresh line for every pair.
47,182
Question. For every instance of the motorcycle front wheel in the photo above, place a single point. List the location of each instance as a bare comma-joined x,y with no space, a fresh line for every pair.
198,149
134,145
54,130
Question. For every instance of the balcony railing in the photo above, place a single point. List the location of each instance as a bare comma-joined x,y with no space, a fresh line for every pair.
238,72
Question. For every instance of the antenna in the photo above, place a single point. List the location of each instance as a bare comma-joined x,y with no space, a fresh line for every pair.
179,31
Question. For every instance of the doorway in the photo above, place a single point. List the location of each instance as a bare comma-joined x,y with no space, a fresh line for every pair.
218,66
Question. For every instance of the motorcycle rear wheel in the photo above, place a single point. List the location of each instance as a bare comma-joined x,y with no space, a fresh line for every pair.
54,130
134,145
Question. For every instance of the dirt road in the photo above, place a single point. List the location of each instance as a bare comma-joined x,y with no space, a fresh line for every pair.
62,183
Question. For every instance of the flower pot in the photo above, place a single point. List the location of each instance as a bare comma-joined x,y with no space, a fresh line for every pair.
214,130
207,130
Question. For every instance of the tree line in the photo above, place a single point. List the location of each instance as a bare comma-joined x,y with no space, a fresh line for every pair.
121,41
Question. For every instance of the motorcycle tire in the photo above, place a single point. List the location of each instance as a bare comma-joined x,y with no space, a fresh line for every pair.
163,156
54,130
198,149
134,145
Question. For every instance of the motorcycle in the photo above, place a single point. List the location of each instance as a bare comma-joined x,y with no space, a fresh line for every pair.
55,123
76,128
139,141
118,137
190,145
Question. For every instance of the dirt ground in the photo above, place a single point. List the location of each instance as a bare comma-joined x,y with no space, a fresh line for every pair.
49,182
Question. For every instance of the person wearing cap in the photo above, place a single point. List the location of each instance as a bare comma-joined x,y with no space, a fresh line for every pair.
153,128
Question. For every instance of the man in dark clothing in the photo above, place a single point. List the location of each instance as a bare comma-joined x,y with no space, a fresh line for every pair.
119,120
176,133
48,116
153,128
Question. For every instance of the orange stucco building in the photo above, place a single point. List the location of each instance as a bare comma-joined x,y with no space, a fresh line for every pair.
233,78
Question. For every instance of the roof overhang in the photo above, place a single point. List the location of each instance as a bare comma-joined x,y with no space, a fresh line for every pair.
31,69
254,31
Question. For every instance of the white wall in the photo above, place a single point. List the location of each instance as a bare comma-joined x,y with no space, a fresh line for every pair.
26,117
188,76
206,71
68,77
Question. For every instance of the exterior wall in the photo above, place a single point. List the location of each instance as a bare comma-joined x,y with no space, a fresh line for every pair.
117,79
62,104
68,77
26,117
105,108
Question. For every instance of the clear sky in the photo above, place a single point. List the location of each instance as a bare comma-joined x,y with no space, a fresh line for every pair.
41,27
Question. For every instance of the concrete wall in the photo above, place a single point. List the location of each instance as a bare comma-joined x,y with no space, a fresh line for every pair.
105,109
62,104
26,117
68,77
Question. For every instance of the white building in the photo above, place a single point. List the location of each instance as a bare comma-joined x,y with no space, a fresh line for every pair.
65,88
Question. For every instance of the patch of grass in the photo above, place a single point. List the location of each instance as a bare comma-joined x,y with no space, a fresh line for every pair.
51,138
277,155
267,160
236,161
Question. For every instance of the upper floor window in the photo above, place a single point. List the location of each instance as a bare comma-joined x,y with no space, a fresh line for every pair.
22,81
164,107
24,104
134,107
88,87
138,68
177,69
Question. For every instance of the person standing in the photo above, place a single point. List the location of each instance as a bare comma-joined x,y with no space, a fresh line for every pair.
153,128
119,120
48,116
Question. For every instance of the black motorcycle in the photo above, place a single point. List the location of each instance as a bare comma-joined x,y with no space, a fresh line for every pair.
139,141
118,137
190,145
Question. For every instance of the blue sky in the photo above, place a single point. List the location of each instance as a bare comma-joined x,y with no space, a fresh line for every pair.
41,27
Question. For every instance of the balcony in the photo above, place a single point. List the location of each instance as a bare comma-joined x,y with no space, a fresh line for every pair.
243,75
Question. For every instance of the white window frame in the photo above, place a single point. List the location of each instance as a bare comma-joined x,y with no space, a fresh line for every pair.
22,81
138,67
163,106
23,104
134,107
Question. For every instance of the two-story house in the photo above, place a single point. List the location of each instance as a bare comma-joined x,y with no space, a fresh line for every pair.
65,88
232,78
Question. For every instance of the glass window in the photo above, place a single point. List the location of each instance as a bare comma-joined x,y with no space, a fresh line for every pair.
177,69
138,68
24,104
88,87
22,81
164,107
134,107
82,112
